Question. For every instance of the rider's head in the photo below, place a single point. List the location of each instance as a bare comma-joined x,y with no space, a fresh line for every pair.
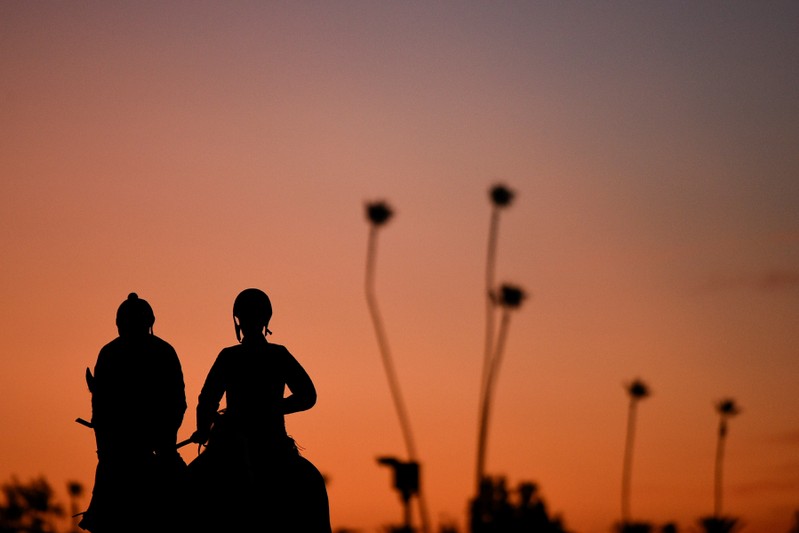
135,316
252,311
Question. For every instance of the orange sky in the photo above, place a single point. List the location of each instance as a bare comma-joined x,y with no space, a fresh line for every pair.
189,150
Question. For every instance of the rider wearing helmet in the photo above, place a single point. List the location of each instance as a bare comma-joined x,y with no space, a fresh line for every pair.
135,316
254,307
253,376
138,403
138,399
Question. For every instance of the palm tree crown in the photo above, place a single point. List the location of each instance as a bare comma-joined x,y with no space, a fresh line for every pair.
638,390
727,408
511,296
378,212
501,196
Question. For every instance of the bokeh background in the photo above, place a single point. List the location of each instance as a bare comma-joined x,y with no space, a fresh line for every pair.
188,150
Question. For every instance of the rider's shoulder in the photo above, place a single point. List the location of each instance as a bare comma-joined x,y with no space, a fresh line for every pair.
111,345
229,351
158,341
278,349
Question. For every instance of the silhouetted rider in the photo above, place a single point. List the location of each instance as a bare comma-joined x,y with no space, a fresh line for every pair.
254,375
138,403
252,464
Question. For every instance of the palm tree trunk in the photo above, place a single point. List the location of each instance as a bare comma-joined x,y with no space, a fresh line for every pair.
388,365
491,376
719,461
628,462
489,341
382,341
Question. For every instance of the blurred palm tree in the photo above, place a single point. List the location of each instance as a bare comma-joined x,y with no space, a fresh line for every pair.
726,409
509,298
378,214
501,197
637,390
717,523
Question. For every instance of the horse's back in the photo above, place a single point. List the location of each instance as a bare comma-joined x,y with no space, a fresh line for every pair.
285,492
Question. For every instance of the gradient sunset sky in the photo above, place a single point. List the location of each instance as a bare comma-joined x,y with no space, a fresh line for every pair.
188,150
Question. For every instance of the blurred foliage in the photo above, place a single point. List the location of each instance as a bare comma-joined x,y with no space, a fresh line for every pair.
29,507
498,509
719,524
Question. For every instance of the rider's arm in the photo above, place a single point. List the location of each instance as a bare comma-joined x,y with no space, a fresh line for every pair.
102,410
303,392
172,394
208,401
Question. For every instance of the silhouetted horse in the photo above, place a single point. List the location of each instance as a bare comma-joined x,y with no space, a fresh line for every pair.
236,484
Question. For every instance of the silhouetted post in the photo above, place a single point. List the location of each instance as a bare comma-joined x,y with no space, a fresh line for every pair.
510,297
75,491
379,213
406,481
501,197
726,409
637,390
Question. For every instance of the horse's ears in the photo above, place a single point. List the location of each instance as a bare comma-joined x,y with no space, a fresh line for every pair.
89,379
